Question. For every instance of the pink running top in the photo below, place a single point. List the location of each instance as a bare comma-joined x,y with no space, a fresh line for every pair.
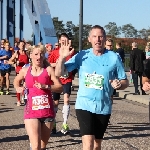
39,102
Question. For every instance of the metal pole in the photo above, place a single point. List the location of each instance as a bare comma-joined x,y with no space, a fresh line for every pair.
80,25
21,21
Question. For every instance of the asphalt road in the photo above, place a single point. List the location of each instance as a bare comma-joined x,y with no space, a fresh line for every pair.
129,128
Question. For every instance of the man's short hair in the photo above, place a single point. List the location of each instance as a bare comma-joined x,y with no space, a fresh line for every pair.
118,44
6,42
98,27
109,40
49,44
63,35
134,44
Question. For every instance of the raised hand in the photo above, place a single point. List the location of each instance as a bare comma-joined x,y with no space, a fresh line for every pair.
65,48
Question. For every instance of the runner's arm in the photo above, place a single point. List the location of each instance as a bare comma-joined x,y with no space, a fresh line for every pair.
19,77
3,57
60,69
57,86
145,79
63,66
120,74
12,59
53,65
124,84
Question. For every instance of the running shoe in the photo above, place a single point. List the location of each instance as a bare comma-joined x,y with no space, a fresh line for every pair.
131,81
1,92
18,103
7,92
65,128
54,129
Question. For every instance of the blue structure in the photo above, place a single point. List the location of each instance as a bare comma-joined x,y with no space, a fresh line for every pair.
10,21
1,19
40,19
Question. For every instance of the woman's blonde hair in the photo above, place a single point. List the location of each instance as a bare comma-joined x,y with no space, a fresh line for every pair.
42,49
147,47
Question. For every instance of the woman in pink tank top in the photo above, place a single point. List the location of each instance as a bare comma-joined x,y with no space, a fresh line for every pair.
39,113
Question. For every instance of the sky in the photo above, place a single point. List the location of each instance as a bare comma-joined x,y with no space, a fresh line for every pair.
101,12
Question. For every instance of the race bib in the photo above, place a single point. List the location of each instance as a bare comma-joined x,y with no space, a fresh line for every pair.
94,81
40,102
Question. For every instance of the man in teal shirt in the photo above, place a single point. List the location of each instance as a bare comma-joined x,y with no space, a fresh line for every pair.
100,72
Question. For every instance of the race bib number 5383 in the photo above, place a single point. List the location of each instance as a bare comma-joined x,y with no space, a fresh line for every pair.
40,102
94,81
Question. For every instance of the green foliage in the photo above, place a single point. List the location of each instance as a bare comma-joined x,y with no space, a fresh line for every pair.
112,30
129,31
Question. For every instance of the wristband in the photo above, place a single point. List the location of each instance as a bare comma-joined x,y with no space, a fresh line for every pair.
44,86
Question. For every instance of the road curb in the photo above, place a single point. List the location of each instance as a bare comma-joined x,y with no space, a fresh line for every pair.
143,99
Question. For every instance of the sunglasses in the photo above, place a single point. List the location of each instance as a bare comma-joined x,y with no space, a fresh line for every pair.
109,45
56,45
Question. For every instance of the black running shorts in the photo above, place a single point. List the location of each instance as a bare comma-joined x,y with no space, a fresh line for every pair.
3,72
91,123
66,90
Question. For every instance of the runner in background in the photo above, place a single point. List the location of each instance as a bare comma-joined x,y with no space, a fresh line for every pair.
49,48
20,58
5,68
66,81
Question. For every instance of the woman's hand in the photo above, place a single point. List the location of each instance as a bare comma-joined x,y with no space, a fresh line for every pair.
40,86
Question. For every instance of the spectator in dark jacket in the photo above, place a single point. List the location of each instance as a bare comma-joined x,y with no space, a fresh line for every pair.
137,57
120,51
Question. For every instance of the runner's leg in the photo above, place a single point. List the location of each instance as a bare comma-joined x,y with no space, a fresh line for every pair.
33,128
45,133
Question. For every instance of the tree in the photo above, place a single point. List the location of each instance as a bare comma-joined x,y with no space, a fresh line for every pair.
86,29
69,28
112,29
58,25
144,33
129,31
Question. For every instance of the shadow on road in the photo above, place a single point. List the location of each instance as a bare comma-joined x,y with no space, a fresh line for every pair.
132,130
5,109
69,141
12,139
18,126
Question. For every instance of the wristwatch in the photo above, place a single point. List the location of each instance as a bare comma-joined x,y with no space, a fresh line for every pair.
49,87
